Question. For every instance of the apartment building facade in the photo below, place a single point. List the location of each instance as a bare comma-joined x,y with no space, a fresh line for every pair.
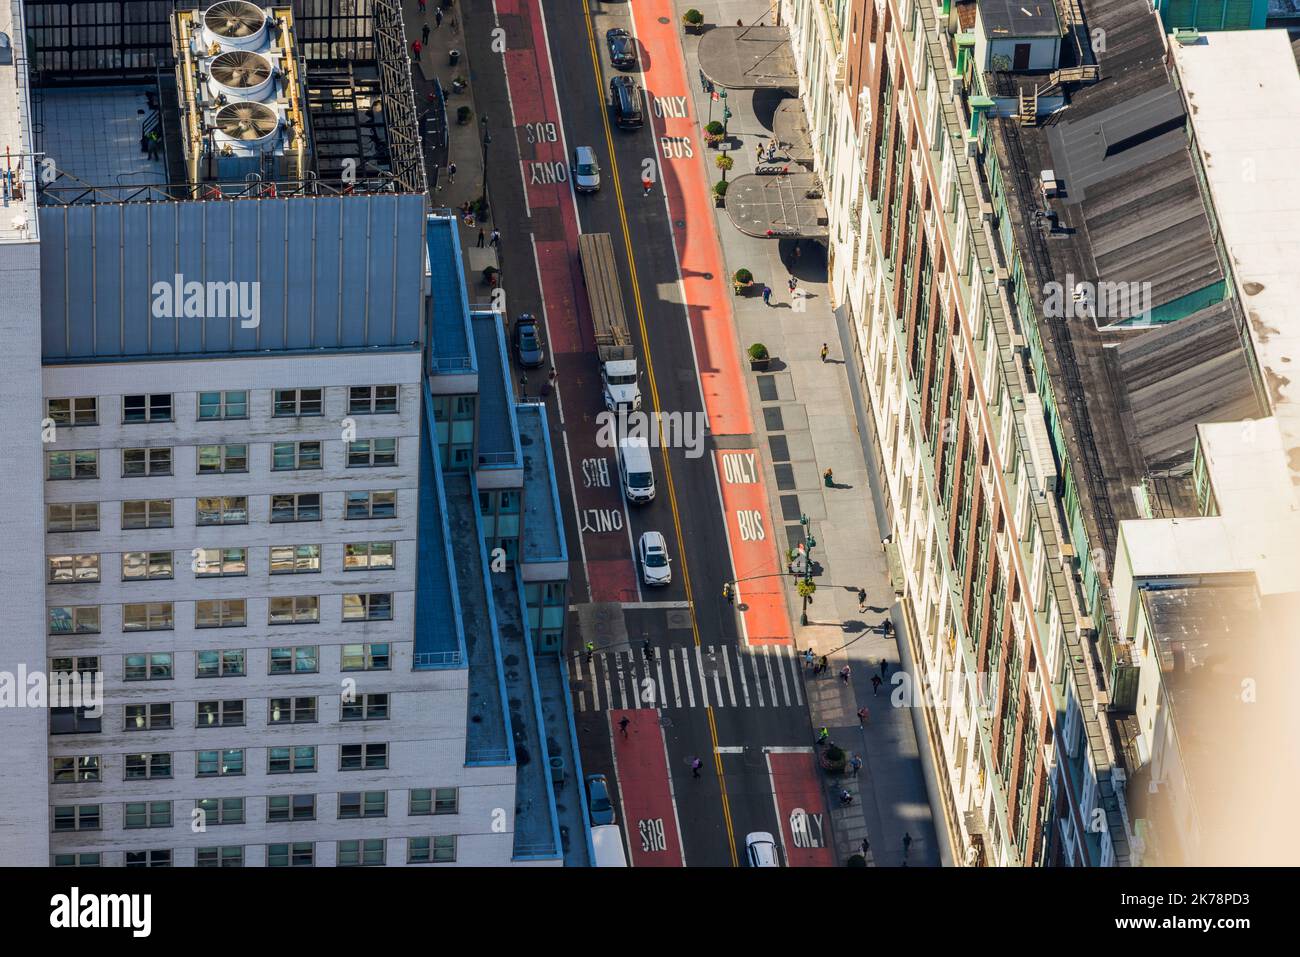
1026,768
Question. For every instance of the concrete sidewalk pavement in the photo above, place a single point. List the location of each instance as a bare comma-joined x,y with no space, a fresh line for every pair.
804,415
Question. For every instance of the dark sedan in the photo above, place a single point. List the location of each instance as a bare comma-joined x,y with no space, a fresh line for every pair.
528,342
622,48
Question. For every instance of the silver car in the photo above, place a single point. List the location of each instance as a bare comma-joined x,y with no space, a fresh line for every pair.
586,171
656,566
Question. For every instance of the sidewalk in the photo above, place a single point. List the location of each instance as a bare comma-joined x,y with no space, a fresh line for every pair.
807,424
465,143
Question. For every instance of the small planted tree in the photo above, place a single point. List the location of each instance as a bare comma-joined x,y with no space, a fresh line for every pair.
692,20
724,162
713,132
720,193
834,759
758,356
463,115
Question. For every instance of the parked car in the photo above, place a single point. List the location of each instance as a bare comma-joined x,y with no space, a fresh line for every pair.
622,48
656,566
625,98
598,802
586,171
760,850
528,342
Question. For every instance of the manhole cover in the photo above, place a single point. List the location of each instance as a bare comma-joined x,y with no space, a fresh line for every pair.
664,20
680,223
708,275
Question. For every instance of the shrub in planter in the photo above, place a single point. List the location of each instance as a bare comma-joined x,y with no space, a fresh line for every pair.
714,128
692,20
857,860
463,115
758,356
724,163
720,193
834,759
743,277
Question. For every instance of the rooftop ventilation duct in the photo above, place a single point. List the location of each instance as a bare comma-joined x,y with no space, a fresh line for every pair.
235,25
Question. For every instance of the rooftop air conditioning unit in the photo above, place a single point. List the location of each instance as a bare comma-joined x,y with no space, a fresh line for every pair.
241,75
235,25
246,128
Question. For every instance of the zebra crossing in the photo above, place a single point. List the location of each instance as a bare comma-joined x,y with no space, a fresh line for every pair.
723,676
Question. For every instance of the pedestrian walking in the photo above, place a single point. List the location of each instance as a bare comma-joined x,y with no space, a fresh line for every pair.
823,735
729,593
792,282
907,843
823,664
647,650
884,667
855,764
480,239
647,184
767,295
862,601
422,4
424,33
696,764
552,377
825,351
437,16
451,172
846,797
863,716
875,685
523,384
495,241
844,674
866,847
591,651
623,722
416,47
808,657
758,153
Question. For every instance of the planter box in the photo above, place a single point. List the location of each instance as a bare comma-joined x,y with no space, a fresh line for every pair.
759,365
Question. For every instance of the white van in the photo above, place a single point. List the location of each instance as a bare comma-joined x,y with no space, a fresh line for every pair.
607,840
634,465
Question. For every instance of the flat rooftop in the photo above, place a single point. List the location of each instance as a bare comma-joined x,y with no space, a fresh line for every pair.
1004,19
450,348
542,529
498,434
1244,89
93,135
18,218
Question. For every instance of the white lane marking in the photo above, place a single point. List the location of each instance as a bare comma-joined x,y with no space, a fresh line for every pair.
613,750
742,652
717,678
654,605
704,683
672,669
796,670
758,677
686,673
510,101
771,681
731,685
782,656
726,528
617,666
605,674
672,793
546,324
789,749
582,694
573,494
729,749
776,803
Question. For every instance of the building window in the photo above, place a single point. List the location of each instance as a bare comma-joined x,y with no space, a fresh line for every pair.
219,857
291,807
79,411
146,408
74,721
222,459
74,619
372,399
147,717
295,559
76,817
145,566
142,814
353,804
290,456
301,507
302,660
292,711
372,453
297,402
72,517
147,513
137,463
156,666
220,562
147,767
228,810
294,610
220,613
83,464
227,663
453,425
148,858
371,505
219,714
366,707
73,568
148,616
72,770
367,853
219,764
225,510
77,860
223,405
368,555
377,606
363,757
434,801
296,760
68,665
431,850
301,854
372,656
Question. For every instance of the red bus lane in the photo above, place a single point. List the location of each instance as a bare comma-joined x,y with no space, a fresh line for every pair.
646,790
759,588
601,514
800,809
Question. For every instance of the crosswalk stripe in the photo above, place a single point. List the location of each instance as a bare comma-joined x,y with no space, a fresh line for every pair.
767,664
686,673
717,679
672,669
744,682
782,656
726,664
758,678
704,684
796,666
661,690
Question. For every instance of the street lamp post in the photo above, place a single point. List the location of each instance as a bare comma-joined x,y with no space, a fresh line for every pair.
486,140
810,544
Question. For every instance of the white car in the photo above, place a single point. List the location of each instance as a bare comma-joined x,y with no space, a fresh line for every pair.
586,171
656,566
760,849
